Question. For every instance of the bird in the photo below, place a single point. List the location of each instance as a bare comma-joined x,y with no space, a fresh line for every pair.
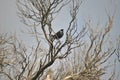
58,35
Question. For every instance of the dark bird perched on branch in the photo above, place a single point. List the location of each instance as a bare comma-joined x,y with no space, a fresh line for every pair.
57,35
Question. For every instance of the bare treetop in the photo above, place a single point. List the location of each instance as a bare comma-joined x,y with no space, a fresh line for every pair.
80,56
41,13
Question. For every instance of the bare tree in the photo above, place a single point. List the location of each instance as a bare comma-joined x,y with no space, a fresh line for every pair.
18,62
12,57
41,13
89,62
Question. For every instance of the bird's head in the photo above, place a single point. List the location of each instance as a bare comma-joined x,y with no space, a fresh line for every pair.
62,30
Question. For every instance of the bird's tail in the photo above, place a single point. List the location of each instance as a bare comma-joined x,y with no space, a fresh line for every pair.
52,37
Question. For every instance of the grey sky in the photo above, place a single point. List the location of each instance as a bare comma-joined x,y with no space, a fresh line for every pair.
93,9
90,9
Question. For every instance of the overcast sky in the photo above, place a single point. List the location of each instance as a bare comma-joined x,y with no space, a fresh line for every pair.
90,9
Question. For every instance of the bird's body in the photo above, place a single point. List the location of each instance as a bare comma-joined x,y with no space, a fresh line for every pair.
58,35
